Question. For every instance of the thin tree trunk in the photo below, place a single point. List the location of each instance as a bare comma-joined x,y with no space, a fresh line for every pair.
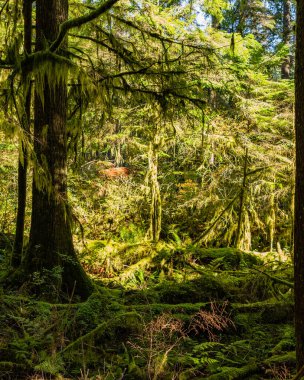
51,249
242,202
272,221
23,159
292,215
215,23
299,188
156,205
287,31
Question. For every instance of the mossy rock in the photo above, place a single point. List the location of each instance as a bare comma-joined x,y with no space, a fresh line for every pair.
98,306
142,296
205,288
119,330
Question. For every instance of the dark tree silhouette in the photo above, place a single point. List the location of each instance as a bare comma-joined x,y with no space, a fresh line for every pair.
50,244
299,188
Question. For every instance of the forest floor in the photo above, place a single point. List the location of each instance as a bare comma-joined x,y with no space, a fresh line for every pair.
165,311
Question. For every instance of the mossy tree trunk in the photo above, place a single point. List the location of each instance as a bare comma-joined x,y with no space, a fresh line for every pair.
23,155
299,188
272,220
287,32
156,204
238,238
292,213
50,244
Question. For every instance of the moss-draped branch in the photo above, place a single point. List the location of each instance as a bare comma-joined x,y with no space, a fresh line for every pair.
28,61
78,21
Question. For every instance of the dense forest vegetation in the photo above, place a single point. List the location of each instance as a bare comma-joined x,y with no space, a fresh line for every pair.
152,189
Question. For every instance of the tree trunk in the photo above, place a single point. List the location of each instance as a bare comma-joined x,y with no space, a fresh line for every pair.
292,215
215,23
272,218
287,30
51,252
242,203
23,159
156,204
299,188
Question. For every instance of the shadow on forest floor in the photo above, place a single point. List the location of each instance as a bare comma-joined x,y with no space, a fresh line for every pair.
174,313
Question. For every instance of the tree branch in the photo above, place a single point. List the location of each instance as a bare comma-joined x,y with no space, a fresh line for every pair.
182,42
78,21
276,279
162,93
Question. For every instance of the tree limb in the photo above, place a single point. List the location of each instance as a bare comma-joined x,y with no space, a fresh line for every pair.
276,279
78,21
162,93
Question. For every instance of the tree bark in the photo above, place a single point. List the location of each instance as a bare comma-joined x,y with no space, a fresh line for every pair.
156,204
215,23
299,188
50,245
23,157
242,202
287,30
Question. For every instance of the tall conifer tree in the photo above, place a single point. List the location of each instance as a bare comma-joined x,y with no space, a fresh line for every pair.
51,244
299,189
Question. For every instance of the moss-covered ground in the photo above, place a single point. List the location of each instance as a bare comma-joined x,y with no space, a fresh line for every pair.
157,312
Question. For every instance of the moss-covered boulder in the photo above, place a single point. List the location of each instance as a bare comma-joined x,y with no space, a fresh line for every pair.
204,288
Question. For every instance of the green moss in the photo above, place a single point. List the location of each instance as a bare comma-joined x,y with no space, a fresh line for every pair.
233,373
287,358
270,311
206,287
287,343
100,305
141,296
225,258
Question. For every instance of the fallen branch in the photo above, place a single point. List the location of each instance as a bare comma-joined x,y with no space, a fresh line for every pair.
276,279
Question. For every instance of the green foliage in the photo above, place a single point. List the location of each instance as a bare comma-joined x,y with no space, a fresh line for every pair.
178,106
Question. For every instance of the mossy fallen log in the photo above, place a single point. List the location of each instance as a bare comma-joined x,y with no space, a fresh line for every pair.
286,358
233,373
275,279
202,289
127,320
270,311
10,366
158,308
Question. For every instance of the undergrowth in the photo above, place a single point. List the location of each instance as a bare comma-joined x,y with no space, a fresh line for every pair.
166,311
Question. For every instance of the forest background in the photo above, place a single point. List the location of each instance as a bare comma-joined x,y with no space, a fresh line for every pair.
178,127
